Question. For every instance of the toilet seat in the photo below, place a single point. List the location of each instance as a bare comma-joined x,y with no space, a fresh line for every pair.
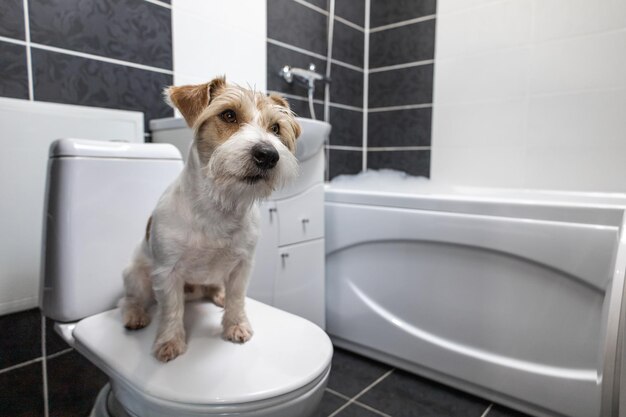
287,359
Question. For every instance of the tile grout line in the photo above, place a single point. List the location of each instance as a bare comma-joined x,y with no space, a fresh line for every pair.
20,365
29,58
372,409
344,148
338,394
402,107
349,23
316,101
44,366
312,7
484,414
365,390
329,65
312,54
397,148
160,3
402,66
366,75
403,23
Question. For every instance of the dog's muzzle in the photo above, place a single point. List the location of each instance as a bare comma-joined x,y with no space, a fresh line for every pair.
265,156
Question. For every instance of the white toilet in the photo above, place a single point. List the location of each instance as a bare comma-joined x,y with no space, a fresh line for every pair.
99,196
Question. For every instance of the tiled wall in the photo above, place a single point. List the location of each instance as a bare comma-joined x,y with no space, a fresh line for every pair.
380,97
531,93
106,53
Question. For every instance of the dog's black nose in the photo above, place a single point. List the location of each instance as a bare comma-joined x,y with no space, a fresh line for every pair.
265,156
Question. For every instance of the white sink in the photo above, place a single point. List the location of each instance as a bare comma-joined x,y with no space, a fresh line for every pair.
314,134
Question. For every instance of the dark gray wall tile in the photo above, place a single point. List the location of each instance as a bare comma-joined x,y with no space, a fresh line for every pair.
399,127
73,384
347,127
21,339
352,10
412,85
13,71
348,44
384,12
21,391
298,25
412,162
322,4
342,162
12,19
408,43
129,30
346,86
278,57
99,84
301,109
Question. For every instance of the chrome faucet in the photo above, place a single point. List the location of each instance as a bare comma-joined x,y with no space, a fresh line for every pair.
304,76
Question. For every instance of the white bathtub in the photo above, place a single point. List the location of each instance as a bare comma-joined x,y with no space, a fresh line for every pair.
515,296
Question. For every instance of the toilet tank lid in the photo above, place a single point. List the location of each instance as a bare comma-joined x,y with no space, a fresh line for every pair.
112,149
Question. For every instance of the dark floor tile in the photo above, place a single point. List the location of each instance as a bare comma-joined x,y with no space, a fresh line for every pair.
352,10
351,373
384,12
405,395
13,71
99,84
342,162
330,403
21,392
411,127
402,45
278,57
12,19
346,86
355,410
130,30
73,384
500,411
21,337
54,343
412,162
412,85
347,127
297,25
348,44
301,109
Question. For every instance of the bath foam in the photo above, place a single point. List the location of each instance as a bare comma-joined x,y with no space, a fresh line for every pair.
388,180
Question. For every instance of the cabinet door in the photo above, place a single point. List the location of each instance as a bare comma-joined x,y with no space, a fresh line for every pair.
300,282
261,284
301,217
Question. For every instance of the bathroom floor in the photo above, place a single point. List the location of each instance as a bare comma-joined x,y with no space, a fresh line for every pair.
32,357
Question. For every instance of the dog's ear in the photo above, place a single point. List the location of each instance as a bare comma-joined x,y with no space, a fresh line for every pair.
191,100
281,101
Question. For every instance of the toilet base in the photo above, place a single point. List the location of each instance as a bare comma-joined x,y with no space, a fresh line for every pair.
305,405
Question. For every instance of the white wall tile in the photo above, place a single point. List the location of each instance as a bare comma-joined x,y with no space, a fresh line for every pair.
562,18
492,26
208,42
480,124
498,75
580,119
581,63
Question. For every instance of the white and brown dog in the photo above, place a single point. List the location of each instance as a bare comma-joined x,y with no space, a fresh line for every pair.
202,234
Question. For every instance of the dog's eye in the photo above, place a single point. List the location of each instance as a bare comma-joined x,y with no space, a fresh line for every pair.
276,129
229,116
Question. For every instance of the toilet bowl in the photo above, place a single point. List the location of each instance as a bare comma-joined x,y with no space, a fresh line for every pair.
99,195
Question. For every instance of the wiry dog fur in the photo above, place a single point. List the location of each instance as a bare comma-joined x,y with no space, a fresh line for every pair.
201,236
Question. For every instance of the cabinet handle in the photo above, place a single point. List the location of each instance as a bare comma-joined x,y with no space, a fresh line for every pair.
283,257
272,211
305,221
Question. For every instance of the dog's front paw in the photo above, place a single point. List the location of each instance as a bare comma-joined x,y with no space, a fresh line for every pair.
170,349
238,333
136,318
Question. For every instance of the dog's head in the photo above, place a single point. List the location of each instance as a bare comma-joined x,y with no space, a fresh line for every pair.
244,141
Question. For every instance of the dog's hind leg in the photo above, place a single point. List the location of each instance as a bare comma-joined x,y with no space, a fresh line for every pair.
138,291
236,326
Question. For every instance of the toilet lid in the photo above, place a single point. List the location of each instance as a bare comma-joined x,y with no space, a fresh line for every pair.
285,353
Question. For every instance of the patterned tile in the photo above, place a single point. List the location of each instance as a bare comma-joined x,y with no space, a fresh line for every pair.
412,162
399,127
347,127
73,384
21,391
298,25
13,71
403,86
21,337
129,30
99,84
384,12
342,162
348,44
278,57
12,19
352,10
405,395
401,45
346,86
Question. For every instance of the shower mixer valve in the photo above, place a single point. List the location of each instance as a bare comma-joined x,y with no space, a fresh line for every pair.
306,77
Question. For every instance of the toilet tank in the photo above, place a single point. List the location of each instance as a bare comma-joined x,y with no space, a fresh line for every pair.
99,196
